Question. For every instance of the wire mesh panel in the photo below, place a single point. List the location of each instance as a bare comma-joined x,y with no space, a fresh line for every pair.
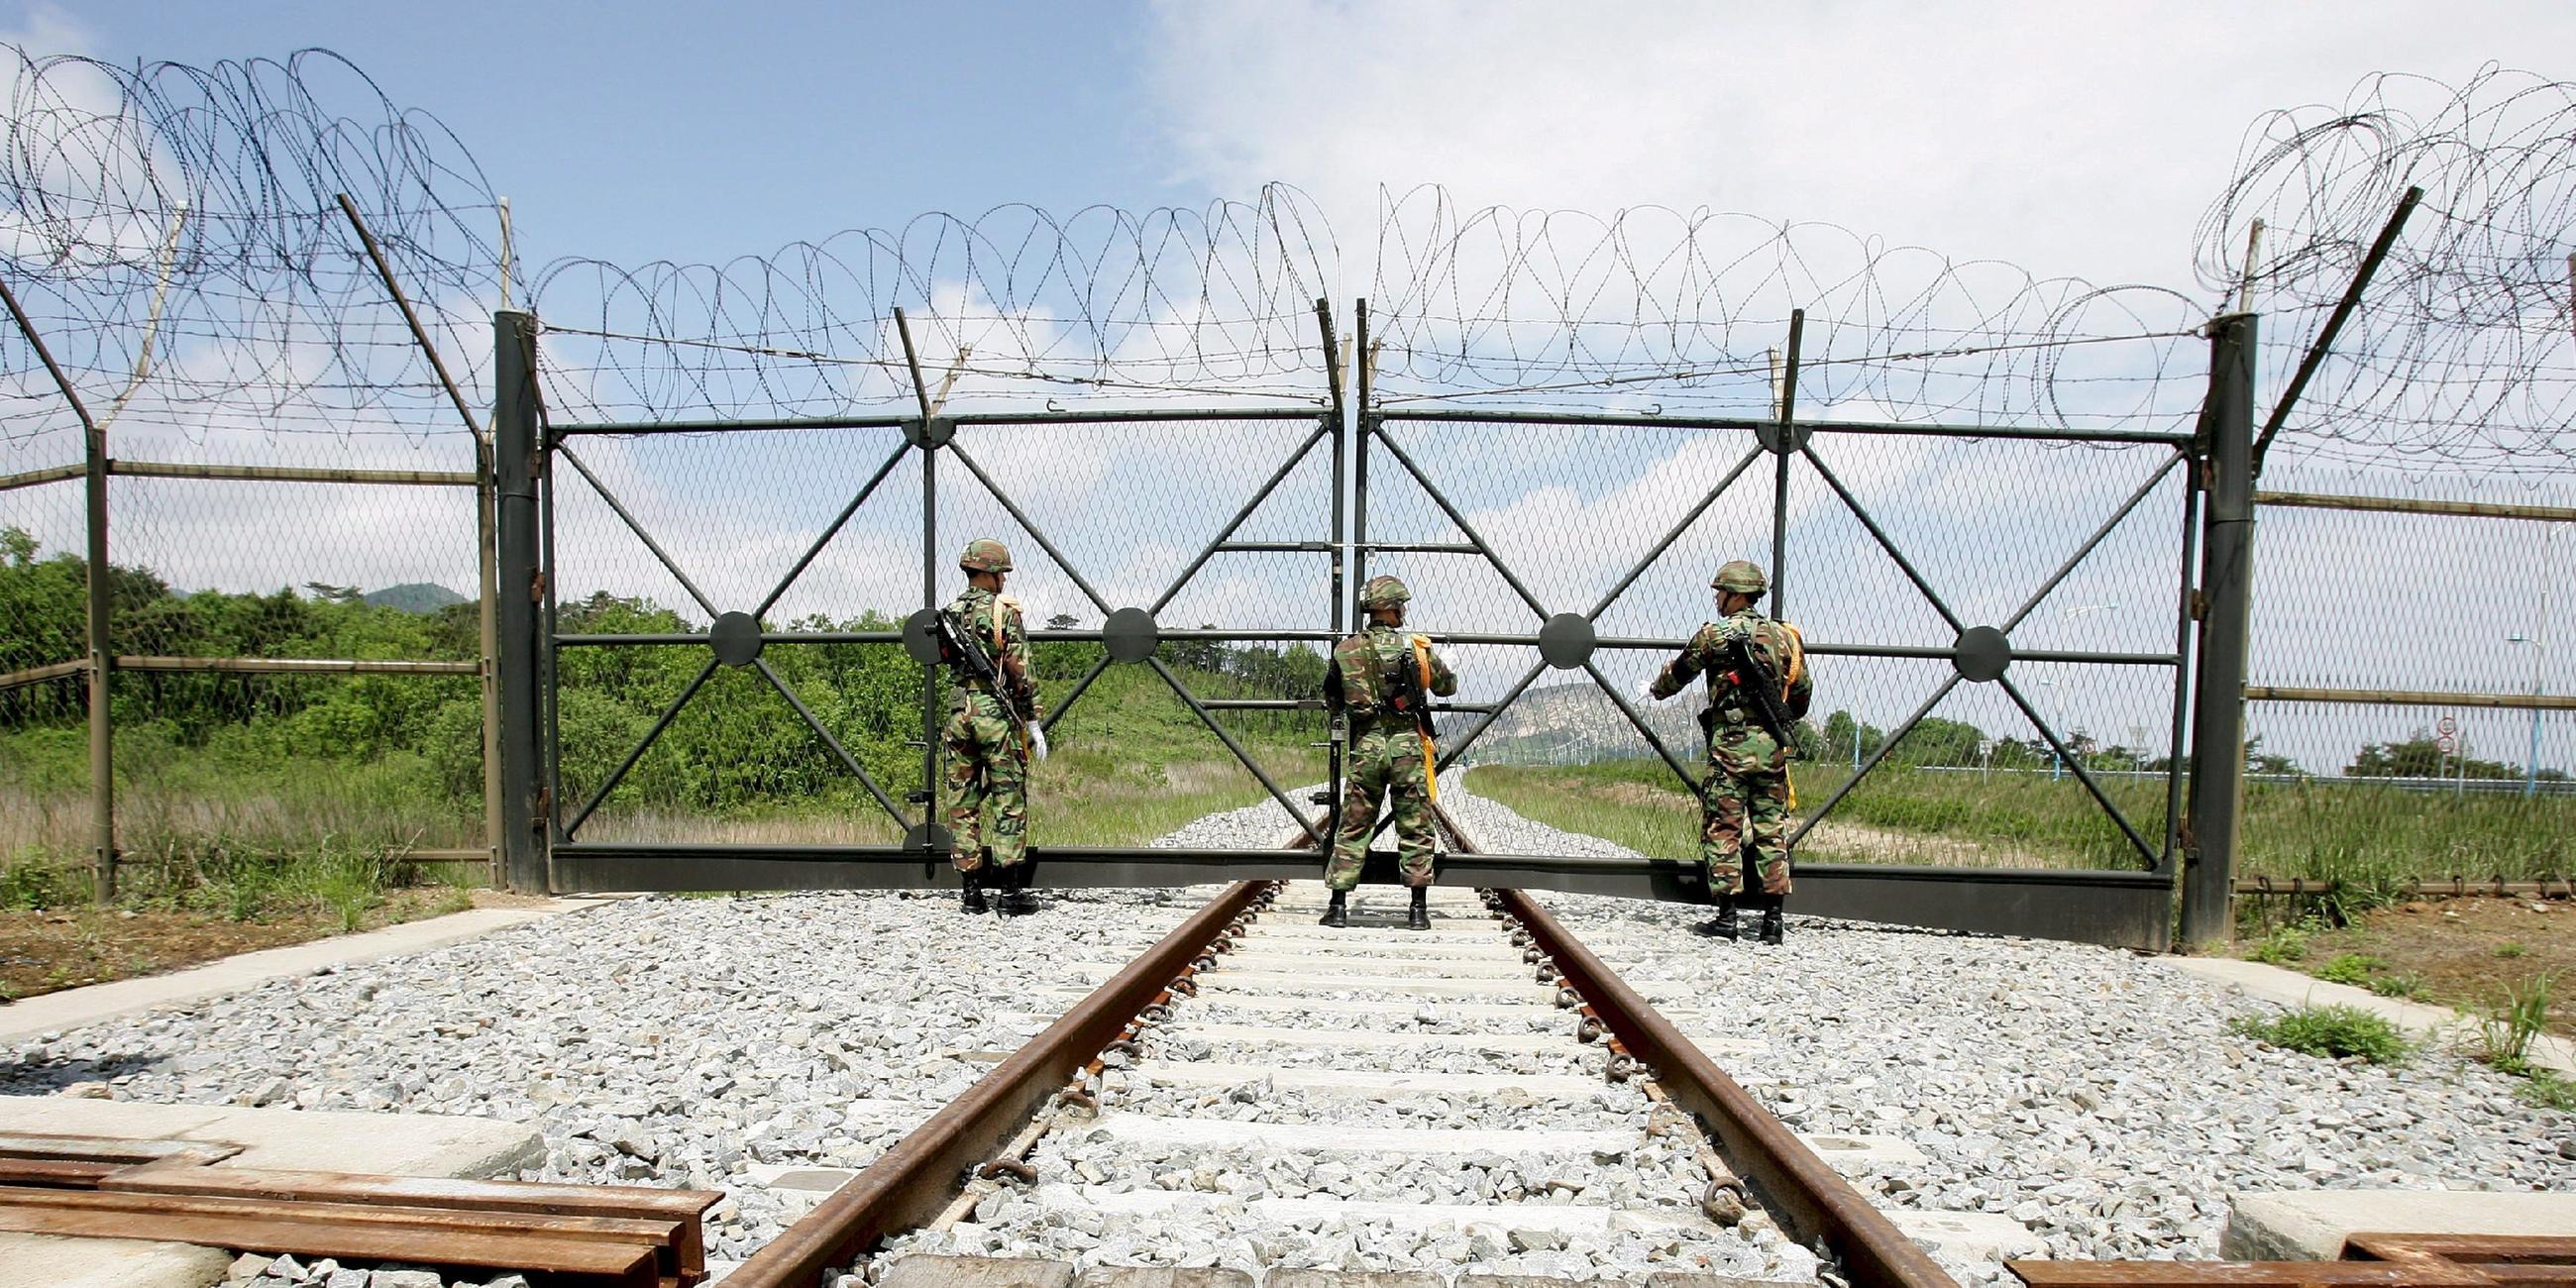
1895,543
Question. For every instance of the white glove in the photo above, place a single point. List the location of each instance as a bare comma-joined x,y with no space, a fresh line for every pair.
1646,690
1037,742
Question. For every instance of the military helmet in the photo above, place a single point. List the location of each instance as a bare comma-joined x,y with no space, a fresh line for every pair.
984,554
1383,591
1742,576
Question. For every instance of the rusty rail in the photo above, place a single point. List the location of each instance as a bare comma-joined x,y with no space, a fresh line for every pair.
1801,1191
913,1181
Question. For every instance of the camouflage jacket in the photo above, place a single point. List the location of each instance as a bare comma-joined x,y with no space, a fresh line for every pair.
1774,643
1365,676
994,621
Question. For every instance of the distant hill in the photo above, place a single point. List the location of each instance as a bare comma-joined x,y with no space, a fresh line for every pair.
414,597
1576,722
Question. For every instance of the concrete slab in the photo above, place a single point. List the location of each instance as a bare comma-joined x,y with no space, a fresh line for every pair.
51,1261
2416,1019
297,1140
1226,980
1529,1281
1323,961
1478,946
977,1272
1968,1236
2312,1225
1165,1277
1380,1039
74,1007
1852,1151
1701,1279
1350,1279
1269,1004
1562,1218
279,1139
1212,1133
1357,1082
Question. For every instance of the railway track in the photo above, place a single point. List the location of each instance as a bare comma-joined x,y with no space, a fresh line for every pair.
1259,1090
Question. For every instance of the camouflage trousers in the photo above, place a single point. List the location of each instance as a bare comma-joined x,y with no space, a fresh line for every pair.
1744,812
984,768
1384,763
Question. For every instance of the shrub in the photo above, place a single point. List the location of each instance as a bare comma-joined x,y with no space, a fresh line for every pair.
2333,1032
2284,945
2506,1030
2510,950
2401,984
2350,968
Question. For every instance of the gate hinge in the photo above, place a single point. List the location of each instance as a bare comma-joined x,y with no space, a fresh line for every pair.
2200,605
537,587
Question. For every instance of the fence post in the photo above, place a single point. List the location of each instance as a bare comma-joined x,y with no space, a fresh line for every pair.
525,814
2225,605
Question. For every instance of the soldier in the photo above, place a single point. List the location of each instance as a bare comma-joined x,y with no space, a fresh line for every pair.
1383,679
1744,809
990,736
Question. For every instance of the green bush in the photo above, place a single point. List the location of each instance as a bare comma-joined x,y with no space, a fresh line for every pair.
2333,1032
2506,1030
2350,968
2509,951
2547,1090
2284,945
2401,984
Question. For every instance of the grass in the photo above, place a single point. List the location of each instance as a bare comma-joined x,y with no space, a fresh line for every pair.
2509,951
2401,984
2364,845
2330,1032
2506,1030
2284,945
2355,969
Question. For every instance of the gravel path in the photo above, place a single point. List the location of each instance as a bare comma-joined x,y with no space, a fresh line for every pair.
2094,1095
661,1041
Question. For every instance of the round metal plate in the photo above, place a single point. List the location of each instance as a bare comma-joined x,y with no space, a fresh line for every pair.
1981,654
1769,432
1131,635
931,837
736,638
1566,641
918,639
933,432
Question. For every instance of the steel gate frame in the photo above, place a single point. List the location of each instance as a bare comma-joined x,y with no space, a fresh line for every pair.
2119,906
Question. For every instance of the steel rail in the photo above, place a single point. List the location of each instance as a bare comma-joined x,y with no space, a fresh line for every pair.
914,1180
1801,1191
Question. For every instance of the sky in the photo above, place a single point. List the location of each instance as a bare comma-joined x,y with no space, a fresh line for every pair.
2071,139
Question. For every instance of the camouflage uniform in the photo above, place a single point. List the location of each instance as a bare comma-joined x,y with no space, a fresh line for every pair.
988,751
1744,809
1385,757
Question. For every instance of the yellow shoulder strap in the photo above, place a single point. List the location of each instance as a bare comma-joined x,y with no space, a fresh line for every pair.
1797,668
1422,667
1002,603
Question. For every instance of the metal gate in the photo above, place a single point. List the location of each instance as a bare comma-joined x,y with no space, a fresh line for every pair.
1393,498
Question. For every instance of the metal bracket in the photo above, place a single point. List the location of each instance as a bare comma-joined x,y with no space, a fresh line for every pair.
929,431
1567,640
736,638
1769,433
1131,635
1981,654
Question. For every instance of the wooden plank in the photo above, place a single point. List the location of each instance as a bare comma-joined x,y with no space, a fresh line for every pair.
2410,505
607,1265
2397,698
293,665
62,1172
683,1209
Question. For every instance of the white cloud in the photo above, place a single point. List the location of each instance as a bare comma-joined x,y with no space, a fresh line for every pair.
2075,139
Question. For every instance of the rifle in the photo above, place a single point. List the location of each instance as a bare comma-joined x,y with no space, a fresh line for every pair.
1413,697
1756,680
959,648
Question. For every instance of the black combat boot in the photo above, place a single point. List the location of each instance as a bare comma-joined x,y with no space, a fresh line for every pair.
1338,913
1419,917
1019,900
1773,929
974,891
1724,924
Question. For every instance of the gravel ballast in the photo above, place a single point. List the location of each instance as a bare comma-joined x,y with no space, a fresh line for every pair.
2095,1095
